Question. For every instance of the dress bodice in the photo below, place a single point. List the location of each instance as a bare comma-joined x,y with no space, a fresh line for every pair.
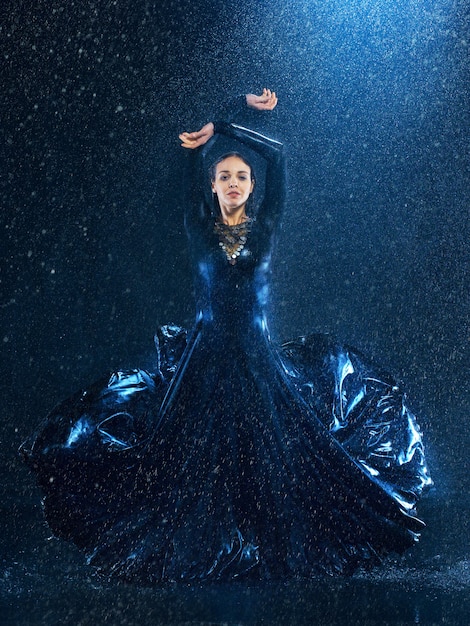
232,294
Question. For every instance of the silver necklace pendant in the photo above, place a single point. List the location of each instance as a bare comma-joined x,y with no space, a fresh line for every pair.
232,239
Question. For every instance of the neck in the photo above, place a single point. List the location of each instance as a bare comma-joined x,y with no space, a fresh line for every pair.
233,219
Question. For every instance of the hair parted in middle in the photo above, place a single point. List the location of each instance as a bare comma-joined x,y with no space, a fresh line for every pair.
212,173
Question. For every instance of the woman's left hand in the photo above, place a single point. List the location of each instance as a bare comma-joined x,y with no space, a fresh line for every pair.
198,138
267,101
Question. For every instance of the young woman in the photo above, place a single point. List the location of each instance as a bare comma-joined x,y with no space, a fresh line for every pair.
236,458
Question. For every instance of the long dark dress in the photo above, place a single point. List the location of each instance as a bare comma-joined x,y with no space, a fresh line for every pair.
235,457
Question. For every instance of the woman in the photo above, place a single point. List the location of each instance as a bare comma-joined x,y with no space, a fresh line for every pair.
235,458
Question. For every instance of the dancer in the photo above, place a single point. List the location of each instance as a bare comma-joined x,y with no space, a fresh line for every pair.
236,457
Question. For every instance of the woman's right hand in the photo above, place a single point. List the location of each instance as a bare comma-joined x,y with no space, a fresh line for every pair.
198,138
265,102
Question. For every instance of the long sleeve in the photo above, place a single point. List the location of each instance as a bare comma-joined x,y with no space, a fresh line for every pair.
197,207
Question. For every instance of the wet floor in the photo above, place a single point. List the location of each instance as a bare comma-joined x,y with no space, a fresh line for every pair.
45,581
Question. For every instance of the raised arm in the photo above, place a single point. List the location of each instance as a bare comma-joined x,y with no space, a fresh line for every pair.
267,101
268,149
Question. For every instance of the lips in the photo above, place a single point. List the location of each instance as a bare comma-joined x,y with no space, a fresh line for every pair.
233,193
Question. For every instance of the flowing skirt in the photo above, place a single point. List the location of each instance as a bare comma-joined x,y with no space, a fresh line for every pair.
234,460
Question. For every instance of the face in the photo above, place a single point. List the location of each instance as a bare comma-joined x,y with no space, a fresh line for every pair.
232,184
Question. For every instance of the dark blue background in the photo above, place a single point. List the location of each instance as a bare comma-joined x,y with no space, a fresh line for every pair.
374,109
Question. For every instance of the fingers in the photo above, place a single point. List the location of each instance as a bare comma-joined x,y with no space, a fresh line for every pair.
197,138
273,100
192,140
265,96
190,144
195,135
268,99
187,141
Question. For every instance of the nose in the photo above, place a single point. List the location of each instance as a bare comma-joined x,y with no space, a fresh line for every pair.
233,182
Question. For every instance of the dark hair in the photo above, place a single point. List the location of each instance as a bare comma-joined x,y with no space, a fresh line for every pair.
227,155
213,169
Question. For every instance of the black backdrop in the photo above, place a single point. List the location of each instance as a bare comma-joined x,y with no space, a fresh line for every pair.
373,106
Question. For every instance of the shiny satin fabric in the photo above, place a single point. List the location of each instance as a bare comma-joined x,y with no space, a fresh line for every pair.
93,448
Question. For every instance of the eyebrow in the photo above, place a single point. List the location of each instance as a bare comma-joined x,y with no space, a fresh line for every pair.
238,172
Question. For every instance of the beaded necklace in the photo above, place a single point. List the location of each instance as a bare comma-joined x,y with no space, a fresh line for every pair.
232,239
